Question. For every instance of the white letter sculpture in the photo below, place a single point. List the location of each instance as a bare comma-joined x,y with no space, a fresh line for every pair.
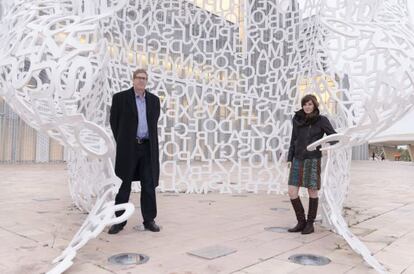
230,75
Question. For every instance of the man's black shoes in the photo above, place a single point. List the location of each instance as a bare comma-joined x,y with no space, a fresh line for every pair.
152,226
115,229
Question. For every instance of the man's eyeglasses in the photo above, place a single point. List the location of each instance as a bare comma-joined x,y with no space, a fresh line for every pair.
141,78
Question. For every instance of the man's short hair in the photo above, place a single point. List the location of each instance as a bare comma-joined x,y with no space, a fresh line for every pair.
139,71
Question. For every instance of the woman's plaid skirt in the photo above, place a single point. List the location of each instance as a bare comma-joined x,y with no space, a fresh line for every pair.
306,173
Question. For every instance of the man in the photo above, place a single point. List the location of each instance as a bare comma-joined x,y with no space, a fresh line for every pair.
133,118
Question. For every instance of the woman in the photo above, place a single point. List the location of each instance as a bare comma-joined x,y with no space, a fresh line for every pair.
305,166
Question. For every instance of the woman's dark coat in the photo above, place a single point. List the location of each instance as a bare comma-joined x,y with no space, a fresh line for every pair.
305,132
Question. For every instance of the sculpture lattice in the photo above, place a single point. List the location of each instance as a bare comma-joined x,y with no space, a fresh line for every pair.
229,79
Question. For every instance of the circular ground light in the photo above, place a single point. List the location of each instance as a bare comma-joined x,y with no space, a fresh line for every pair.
309,259
128,259
139,228
206,201
279,209
171,195
276,229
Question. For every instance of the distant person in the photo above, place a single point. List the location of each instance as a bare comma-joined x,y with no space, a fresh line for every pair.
397,156
305,166
382,157
373,156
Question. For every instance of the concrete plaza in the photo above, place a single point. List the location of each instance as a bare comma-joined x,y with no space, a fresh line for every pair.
37,221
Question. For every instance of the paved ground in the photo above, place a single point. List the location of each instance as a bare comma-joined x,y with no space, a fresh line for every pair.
37,221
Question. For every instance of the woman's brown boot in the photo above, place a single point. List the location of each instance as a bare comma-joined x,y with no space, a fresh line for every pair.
300,215
313,209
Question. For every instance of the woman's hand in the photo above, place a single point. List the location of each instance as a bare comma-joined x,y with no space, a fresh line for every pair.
289,164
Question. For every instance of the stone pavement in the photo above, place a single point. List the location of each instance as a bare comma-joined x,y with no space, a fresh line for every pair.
37,221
